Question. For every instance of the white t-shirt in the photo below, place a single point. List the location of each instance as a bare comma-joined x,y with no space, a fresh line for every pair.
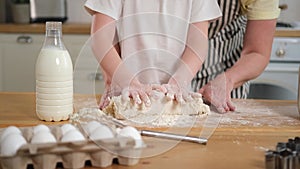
152,33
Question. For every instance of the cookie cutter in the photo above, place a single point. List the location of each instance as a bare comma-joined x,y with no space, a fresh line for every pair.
286,155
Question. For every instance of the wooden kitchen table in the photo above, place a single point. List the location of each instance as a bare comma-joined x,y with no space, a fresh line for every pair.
240,141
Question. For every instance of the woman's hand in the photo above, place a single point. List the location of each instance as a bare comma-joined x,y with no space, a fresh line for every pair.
217,92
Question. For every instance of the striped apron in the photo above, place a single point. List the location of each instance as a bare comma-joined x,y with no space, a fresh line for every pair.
225,45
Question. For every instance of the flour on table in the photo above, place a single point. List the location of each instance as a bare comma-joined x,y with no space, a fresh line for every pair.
254,113
162,112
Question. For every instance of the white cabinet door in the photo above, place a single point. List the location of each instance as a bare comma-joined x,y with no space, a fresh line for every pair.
74,44
87,76
18,54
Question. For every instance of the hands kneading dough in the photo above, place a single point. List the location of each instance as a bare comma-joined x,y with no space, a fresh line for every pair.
161,105
144,94
217,92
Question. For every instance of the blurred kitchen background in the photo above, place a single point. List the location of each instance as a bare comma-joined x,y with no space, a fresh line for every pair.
77,14
278,81
74,11
290,12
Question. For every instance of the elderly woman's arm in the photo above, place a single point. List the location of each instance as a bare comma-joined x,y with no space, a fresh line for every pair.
254,58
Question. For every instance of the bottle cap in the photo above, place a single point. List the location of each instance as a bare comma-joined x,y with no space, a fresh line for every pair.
53,29
50,25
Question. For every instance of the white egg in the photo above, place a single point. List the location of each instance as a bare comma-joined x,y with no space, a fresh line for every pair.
43,137
11,144
67,127
72,135
10,130
101,132
91,126
40,127
132,132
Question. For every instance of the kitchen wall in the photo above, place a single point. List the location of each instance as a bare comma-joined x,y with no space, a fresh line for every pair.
76,12
292,13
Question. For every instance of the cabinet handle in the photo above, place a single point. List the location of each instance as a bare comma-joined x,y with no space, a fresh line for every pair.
95,76
23,39
283,6
280,52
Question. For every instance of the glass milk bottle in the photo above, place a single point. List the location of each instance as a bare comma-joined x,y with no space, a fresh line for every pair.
54,77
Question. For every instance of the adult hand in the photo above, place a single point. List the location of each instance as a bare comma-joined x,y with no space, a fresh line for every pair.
217,92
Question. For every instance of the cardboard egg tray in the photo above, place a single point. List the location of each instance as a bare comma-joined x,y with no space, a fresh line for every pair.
100,153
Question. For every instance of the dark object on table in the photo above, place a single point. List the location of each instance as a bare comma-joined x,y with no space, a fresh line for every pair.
286,155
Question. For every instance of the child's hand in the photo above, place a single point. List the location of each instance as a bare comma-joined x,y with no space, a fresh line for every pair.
105,98
178,88
138,92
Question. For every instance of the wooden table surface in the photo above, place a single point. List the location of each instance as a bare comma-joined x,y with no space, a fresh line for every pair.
240,141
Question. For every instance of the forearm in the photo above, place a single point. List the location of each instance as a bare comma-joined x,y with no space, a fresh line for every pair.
248,67
104,48
255,54
195,52
190,64
109,64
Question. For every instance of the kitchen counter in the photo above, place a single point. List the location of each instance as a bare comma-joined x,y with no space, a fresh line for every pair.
68,28
84,28
287,33
240,141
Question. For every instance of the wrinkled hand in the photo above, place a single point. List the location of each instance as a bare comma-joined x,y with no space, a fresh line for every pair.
217,92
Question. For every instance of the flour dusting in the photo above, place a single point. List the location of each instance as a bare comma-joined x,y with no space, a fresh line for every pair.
249,113
255,113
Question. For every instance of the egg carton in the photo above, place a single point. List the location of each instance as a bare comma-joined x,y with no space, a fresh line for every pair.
73,154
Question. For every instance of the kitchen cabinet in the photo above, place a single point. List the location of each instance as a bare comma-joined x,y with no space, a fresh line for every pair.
18,54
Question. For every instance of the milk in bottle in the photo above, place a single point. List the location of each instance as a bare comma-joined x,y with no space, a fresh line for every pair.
54,77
